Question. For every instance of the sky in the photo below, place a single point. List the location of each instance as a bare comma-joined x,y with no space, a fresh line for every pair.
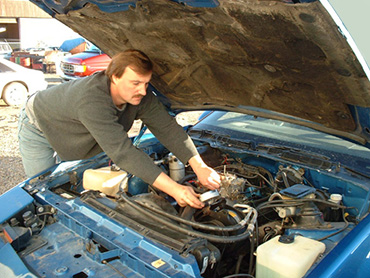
355,16
51,32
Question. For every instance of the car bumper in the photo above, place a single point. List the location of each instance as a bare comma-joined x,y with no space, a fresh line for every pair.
66,78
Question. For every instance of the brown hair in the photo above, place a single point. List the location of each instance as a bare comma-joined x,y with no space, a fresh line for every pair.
137,60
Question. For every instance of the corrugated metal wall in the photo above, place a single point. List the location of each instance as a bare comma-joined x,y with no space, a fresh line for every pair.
20,8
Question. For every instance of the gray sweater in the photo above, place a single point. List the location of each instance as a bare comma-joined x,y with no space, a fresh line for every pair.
79,120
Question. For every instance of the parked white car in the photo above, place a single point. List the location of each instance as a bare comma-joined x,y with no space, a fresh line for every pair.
5,49
18,82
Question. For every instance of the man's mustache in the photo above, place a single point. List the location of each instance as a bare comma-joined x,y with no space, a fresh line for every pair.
138,95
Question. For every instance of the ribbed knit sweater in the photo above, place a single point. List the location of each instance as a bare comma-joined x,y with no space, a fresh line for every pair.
79,120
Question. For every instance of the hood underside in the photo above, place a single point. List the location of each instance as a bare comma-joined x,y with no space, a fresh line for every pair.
288,58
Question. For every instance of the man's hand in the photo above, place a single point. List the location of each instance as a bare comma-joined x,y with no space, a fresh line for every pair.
208,177
184,195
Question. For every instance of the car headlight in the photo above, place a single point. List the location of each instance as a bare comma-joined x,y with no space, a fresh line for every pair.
80,68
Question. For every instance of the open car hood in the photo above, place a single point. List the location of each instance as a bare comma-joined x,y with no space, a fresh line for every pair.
268,58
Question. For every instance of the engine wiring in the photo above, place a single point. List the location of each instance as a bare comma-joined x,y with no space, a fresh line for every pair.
213,238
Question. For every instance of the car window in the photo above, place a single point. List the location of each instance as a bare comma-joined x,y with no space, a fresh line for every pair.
93,48
5,48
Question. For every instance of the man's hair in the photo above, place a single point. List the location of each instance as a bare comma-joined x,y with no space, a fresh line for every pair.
137,60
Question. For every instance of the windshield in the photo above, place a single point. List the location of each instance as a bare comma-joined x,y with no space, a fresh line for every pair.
279,133
92,48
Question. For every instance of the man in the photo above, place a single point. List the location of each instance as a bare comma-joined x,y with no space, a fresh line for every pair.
82,118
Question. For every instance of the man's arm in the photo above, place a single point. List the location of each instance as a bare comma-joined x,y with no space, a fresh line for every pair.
185,195
174,138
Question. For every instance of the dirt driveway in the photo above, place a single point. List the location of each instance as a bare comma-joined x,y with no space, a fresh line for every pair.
11,170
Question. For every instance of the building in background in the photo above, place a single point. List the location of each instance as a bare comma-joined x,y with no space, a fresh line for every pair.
24,25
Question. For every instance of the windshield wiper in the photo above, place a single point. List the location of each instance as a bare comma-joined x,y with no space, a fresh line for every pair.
221,140
297,156
233,143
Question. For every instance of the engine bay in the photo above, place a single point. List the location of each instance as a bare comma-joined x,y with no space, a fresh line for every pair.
261,203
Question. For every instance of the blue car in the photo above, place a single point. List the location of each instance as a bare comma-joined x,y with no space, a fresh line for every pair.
286,124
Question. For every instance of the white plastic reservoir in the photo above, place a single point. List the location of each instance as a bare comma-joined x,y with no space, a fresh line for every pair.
289,260
103,179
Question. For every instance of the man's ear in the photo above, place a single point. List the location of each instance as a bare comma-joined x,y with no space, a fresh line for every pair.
114,79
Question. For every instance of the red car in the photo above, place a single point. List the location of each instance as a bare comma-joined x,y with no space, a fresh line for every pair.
83,64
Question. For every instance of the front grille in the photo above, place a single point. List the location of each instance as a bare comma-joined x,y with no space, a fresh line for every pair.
68,68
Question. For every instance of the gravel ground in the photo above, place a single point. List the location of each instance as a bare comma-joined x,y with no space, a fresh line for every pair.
11,169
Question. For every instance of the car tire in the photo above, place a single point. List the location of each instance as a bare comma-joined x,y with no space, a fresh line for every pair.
14,93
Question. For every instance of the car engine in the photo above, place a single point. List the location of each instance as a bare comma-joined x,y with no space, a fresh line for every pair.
263,207
253,205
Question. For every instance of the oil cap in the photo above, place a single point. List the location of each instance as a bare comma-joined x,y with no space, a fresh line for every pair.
287,239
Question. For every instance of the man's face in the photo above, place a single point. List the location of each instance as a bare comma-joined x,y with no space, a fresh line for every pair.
130,87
